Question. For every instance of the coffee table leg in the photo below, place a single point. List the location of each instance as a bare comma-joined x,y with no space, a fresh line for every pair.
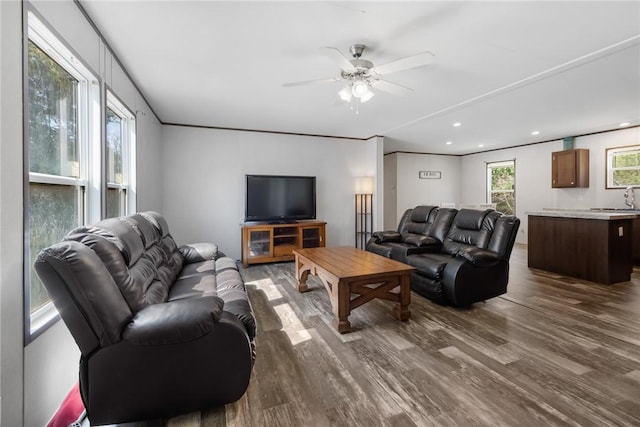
340,299
402,312
301,275
302,281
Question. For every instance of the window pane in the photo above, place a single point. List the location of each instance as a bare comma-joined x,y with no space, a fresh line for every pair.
626,159
53,117
502,186
53,212
114,148
624,177
116,202
505,202
502,178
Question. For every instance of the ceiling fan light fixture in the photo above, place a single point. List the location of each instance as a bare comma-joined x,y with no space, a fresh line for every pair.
360,89
345,93
367,96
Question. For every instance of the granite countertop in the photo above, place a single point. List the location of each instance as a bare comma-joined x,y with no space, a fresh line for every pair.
586,213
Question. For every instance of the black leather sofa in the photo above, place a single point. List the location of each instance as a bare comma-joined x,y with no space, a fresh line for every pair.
162,329
461,256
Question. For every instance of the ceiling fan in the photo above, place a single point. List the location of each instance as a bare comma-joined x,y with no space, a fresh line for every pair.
361,75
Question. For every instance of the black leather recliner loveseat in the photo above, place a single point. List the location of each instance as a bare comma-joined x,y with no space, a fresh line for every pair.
461,256
162,330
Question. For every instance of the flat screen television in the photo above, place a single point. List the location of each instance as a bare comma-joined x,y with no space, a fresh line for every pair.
277,198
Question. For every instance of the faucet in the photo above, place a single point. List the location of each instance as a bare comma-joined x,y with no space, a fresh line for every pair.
628,197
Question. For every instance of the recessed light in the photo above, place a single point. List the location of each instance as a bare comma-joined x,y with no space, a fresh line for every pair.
457,124
448,142
625,124
480,145
535,132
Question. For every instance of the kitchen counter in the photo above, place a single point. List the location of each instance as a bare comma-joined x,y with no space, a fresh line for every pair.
593,245
587,213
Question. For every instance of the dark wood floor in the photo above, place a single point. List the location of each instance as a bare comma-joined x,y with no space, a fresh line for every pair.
553,351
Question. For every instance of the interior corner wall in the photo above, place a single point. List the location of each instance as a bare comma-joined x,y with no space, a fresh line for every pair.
533,176
204,172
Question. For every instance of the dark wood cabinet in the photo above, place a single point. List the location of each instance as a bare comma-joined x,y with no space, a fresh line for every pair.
589,249
275,242
570,168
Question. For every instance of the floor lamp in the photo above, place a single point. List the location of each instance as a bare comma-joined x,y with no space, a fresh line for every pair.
363,210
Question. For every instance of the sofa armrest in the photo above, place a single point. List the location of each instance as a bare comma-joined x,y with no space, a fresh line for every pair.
198,252
387,236
479,257
174,322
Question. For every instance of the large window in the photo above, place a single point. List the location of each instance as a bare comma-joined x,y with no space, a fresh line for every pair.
501,186
623,166
120,138
62,146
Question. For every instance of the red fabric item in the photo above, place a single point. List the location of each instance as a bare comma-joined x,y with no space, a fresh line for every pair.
69,410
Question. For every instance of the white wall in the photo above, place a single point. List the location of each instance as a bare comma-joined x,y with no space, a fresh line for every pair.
412,191
34,379
533,175
204,173
149,173
390,193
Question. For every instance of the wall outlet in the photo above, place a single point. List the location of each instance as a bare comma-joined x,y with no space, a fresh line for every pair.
620,231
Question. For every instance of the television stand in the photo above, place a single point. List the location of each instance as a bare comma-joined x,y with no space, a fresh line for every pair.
269,242
283,221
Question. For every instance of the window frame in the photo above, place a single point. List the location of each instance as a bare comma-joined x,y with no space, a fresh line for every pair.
489,192
89,142
609,169
129,129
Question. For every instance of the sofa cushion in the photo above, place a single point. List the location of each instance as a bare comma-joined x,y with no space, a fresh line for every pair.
195,279
467,230
149,234
421,213
442,223
421,220
158,221
219,278
133,280
120,234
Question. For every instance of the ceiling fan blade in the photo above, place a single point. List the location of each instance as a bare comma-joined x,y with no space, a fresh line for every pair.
419,60
311,82
390,87
342,61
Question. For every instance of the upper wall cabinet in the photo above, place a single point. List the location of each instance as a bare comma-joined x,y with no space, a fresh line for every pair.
570,168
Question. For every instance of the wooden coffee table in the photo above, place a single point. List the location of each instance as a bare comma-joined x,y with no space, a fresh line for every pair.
347,272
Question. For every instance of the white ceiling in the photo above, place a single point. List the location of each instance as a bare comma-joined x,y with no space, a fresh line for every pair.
502,69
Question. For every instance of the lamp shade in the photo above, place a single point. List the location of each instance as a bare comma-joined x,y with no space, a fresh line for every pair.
345,93
359,89
364,185
367,96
